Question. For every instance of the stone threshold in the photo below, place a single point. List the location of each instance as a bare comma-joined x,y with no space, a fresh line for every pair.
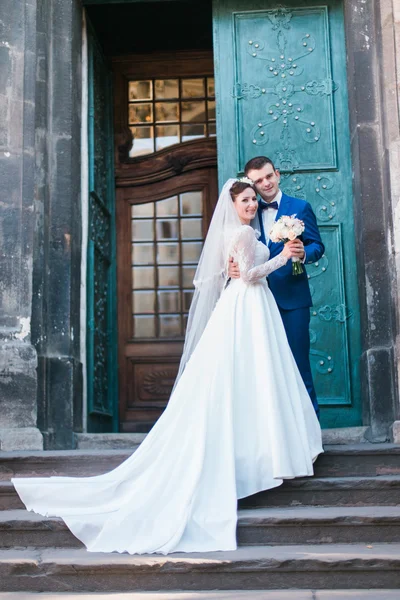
115,441
214,595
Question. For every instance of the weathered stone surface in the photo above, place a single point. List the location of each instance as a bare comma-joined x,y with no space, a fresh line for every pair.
344,435
331,491
215,595
395,432
17,355
17,385
56,275
115,441
327,491
363,460
268,567
108,441
368,79
27,438
257,527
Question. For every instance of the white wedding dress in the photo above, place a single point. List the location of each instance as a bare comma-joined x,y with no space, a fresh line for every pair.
239,421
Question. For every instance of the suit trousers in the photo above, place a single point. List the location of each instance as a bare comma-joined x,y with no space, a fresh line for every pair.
297,327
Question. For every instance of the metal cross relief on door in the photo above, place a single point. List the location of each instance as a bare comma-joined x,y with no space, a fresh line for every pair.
285,82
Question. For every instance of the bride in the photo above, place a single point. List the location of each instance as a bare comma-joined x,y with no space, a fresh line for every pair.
239,419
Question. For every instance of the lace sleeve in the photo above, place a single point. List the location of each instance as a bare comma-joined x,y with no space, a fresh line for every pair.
243,252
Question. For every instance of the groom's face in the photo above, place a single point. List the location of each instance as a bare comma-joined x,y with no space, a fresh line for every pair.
266,181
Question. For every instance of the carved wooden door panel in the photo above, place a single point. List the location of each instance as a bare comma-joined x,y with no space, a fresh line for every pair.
166,193
281,91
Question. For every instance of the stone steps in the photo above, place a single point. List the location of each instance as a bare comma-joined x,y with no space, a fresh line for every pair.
215,595
325,566
324,491
257,527
362,460
338,530
329,491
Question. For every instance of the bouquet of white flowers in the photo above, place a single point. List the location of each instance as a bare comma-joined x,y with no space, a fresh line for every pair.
284,230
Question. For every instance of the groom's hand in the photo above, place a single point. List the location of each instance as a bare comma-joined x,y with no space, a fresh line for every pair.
296,248
233,269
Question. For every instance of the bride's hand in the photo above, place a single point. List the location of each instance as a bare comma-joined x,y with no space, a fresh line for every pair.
233,269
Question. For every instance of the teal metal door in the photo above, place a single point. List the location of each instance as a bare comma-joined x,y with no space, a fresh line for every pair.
101,258
281,91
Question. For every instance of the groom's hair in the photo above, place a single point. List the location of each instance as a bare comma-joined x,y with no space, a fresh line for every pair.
258,162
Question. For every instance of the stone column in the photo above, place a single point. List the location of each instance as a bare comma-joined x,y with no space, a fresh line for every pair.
18,383
56,275
373,212
390,60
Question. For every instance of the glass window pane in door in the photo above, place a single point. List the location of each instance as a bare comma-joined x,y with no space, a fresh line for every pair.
168,277
166,88
143,278
143,302
140,90
191,229
194,110
166,135
193,88
212,129
142,254
142,112
143,210
168,301
167,229
144,327
187,299
168,254
167,111
211,109
142,141
142,230
170,326
193,132
210,87
191,203
191,251
188,276
167,207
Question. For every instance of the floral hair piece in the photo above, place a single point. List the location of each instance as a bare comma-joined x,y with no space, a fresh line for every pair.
245,180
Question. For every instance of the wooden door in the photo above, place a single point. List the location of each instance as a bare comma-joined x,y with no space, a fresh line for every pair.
281,89
165,196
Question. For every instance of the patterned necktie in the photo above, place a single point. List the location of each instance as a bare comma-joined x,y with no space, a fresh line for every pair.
270,205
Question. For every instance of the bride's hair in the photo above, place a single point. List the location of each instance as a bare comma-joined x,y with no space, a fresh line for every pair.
238,187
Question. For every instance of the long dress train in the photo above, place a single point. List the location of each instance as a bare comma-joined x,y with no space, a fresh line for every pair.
239,421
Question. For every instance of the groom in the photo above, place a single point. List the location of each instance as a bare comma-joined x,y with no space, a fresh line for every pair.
291,292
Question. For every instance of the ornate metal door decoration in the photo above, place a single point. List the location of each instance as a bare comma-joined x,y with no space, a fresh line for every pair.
101,309
286,82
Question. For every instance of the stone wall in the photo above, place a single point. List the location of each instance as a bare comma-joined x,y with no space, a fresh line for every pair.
390,50
56,272
40,224
18,361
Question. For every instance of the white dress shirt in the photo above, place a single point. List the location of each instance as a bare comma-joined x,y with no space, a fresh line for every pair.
269,215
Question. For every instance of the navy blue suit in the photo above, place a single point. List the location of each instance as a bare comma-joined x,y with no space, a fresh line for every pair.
292,292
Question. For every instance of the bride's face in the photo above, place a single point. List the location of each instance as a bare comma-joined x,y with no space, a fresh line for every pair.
246,205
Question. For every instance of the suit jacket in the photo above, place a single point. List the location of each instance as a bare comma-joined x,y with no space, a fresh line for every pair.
293,291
